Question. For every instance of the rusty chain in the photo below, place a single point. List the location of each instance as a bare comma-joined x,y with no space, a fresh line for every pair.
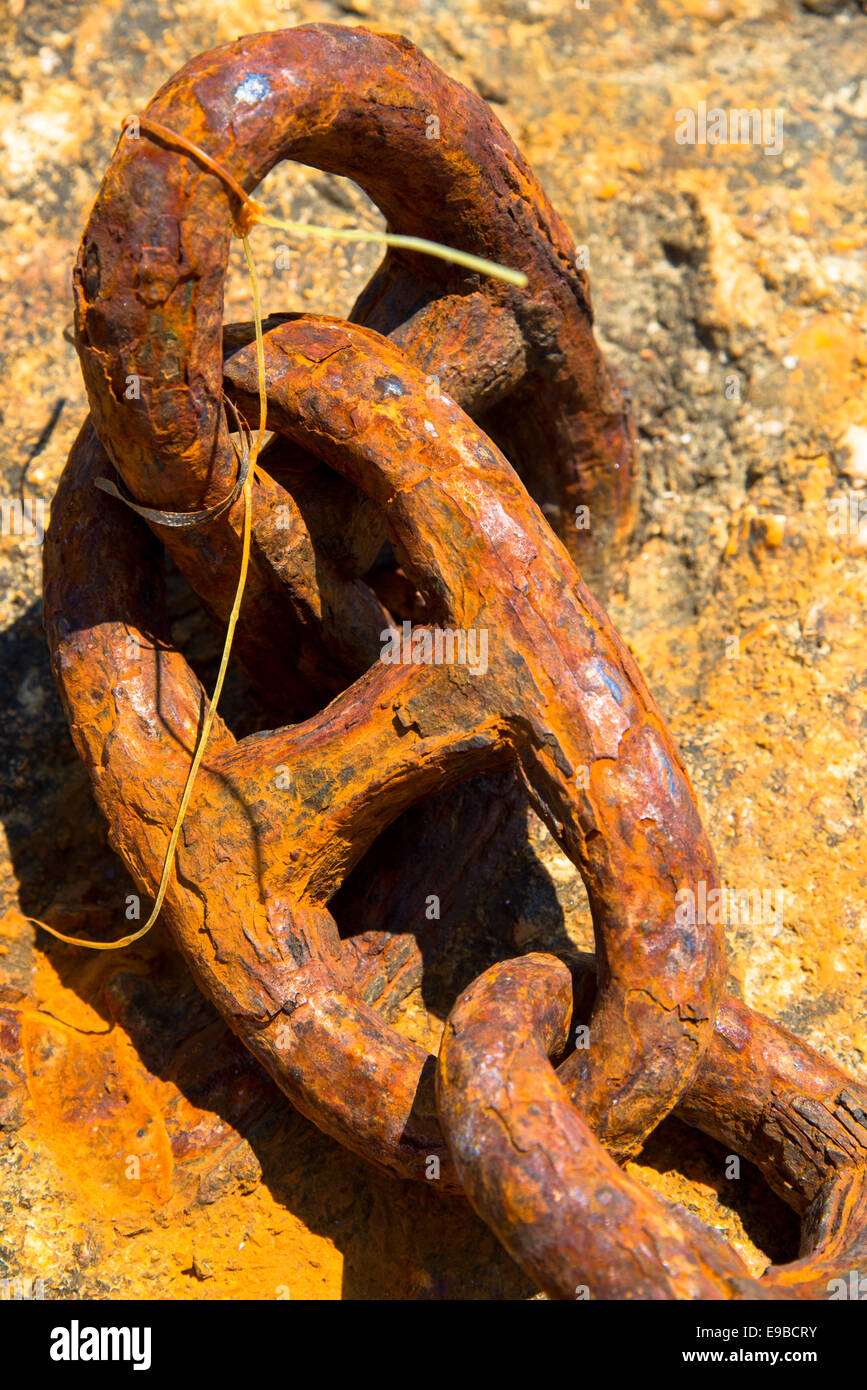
367,451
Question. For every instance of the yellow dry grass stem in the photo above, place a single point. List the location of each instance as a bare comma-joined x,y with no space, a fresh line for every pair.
251,215
403,243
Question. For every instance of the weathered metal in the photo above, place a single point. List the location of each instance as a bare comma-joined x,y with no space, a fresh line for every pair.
371,446
532,1167
560,695
148,292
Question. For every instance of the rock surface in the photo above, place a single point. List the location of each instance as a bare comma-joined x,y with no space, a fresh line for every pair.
143,1153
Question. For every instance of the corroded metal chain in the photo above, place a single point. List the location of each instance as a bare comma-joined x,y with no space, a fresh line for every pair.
531,1166
559,693
553,693
148,292
148,289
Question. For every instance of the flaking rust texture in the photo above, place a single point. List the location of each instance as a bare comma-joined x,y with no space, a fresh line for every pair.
261,858
706,264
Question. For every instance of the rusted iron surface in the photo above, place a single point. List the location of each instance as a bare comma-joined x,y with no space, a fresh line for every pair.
149,283
148,309
149,304
370,447
560,694
573,1219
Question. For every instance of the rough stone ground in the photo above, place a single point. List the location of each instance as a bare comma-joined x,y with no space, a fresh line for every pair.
142,1152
